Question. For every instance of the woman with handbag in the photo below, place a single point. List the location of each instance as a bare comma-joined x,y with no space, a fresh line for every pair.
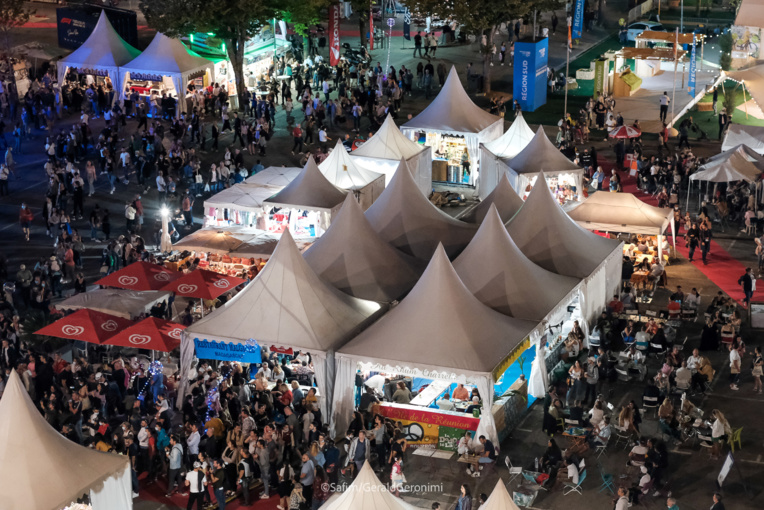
758,362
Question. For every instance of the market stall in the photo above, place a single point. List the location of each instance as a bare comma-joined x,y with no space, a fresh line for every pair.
343,172
34,453
505,199
738,164
409,222
496,155
165,66
287,305
624,213
354,259
564,177
241,204
383,153
454,126
306,205
99,58
440,332
128,304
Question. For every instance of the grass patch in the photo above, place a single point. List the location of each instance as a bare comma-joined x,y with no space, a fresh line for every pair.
552,111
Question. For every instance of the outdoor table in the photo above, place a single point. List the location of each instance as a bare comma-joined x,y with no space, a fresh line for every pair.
469,458
639,278
576,435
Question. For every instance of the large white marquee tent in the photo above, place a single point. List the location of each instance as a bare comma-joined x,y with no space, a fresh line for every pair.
496,155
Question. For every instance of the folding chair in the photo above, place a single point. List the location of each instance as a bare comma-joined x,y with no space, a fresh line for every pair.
621,434
531,482
570,487
650,403
602,448
607,481
514,472
690,314
735,438
623,375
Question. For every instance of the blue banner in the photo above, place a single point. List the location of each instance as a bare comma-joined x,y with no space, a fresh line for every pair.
578,20
224,351
693,68
407,24
529,80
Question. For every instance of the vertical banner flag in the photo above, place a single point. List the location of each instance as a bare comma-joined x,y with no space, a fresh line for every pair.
371,29
578,19
530,71
693,67
334,34
407,24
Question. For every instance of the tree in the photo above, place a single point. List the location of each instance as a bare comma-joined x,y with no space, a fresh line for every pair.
13,14
232,21
363,9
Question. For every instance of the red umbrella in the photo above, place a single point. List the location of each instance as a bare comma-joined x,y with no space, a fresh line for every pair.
151,333
625,132
203,284
86,325
140,276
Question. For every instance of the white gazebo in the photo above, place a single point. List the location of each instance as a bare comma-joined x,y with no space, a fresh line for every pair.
342,171
169,62
496,155
102,54
383,153
43,470
741,163
274,176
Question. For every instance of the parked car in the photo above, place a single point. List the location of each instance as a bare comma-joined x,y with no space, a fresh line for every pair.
637,28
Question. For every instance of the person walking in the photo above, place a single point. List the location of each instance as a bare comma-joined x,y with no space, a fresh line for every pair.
748,282
175,455
664,103
25,219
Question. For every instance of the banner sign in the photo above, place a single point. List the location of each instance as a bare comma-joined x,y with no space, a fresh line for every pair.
371,30
599,77
407,24
224,351
75,24
530,82
282,350
422,426
334,34
92,72
578,19
693,69
145,77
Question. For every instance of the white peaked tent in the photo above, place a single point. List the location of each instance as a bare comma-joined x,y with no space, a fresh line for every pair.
551,239
741,163
384,151
494,269
439,328
310,190
353,258
343,172
102,53
366,493
169,61
274,176
287,305
408,221
540,155
623,212
738,134
43,470
506,200
500,499
496,155
452,112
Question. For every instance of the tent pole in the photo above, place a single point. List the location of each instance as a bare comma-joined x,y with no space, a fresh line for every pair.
201,306
745,102
689,191
660,250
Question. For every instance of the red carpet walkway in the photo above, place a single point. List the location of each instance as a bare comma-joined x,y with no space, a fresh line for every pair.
722,269
155,492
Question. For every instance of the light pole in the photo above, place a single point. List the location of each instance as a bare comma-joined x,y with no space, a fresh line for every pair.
165,243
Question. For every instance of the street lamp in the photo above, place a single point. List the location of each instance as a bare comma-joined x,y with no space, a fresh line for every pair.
165,243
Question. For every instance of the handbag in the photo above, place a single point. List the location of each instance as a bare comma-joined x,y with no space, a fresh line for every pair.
757,371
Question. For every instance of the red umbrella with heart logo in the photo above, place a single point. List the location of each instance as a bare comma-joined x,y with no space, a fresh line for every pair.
151,333
203,284
86,325
140,276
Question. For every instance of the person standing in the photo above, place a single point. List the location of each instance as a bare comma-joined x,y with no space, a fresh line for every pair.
718,505
715,100
307,475
261,456
723,120
176,456
196,481
664,102
465,499
418,44
245,474
747,281
25,219
4,175
218,483
705,241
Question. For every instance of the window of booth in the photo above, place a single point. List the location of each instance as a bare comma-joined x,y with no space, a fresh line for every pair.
563,186
450,159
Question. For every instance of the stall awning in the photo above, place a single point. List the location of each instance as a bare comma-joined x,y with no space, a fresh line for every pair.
309,190
650,53
738,164
620,212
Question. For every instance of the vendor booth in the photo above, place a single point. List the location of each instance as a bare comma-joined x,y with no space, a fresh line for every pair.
99,58
551,239
383,153
43,470
306,205
286,305
738,164
165,66
625,213
353,258
124,303
563,177
453,125
409,222
241,204
440,332
343,172
496,155
750,136
505,199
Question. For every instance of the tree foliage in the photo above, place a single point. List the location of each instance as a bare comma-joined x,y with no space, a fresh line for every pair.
13,14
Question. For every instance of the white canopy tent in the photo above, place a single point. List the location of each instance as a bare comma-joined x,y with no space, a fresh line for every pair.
500,499
287,305
506,200
750,136
103,53
452,112
168,61
310,190
540,155
43,470
740,163
384,151
496,155
343,172
211,240
366,493
494,269
623,212
551,239
236,241
274,176
439,329
353,258
121,302
241,202
408,221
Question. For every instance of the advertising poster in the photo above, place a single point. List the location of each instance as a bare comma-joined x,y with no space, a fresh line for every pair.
599,77
530,69
334,34
578,20
243,353
425,427
746,41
